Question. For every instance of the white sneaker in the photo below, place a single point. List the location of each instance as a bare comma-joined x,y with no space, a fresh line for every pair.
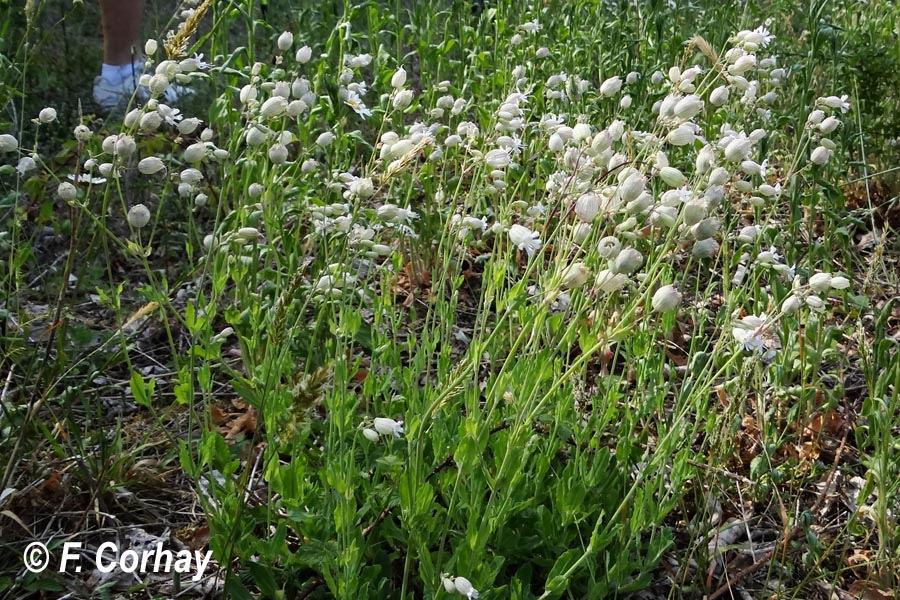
110,95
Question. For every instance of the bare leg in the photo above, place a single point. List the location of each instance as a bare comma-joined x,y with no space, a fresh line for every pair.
121,20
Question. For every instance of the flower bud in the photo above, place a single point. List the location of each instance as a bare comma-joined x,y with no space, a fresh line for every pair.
688,107
791,305
150,47
681,136
705,248
609,282
158,84
609,247
575,275
820,282
611,86
840,283
151,165
403,99
627,261
719,96
672,177
138,216
738,149
820,155
587,207
719,176
556,143
66,191
82,133
398,80
188,126
191,176
666,299
815,303
195,152
278,153
285,41
47,115
303,55
580,232
255,136
273,107
370,434
325,139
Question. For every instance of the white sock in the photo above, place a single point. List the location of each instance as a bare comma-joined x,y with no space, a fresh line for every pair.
112,73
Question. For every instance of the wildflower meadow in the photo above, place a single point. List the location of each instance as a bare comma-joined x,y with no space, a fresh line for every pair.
452,299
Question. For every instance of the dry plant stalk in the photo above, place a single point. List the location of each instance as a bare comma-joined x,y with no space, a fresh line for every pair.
176,44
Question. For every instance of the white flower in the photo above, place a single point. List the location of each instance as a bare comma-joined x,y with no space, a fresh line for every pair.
192,176
749,332
609,282
820,155
738,149
274,107
719,96
672,177
542,52
285,41
748,234
835,102
820,282
82,133
138,216
188,126
26,164
681,136
370,434
828,125
195,153
325,139
151,165
791,305
666,299
815,303
525,239
575,275
358,62
556,142
303,55
688,107
398,80
464,587
609,247
355,102
402,99
385,426
627,261
278,154
587,207
362,187
498,159
47,115
840,283
611,86
66,191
